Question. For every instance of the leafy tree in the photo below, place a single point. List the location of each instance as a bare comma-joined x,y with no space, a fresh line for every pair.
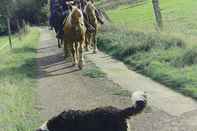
31,11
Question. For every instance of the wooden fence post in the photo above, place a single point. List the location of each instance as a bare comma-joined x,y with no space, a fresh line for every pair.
9,28
9,32
157,12
19,29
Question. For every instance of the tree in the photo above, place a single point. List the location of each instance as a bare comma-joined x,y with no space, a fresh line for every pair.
157,12
6,11
33,12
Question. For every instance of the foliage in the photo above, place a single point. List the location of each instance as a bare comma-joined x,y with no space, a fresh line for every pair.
17,85
93,72
33,11
30,11
164,58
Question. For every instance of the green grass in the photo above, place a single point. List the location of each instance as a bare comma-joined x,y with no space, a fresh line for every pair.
3,40
121,92
179,17
170,56
93,72
17,84
163,58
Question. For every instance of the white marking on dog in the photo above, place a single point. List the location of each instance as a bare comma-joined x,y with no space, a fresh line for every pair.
138,96
128,126
44,127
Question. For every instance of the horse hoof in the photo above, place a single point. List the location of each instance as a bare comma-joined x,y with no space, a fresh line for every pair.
73,64
59,46
66,56
94,52
80,66
86,49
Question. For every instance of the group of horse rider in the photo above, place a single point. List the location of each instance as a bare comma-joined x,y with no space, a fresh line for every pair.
59,10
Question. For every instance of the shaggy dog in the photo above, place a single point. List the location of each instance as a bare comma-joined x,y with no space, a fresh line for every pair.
99,119
74,36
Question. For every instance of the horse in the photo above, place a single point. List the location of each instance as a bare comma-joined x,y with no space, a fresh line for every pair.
74,36
55,21
93,18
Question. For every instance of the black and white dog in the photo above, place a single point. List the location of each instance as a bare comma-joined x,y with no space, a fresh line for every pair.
99,119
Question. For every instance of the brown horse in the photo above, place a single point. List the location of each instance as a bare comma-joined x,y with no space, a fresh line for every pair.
93,19
74,36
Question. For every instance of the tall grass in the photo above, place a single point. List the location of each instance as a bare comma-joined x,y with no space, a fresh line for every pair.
164,58
17,84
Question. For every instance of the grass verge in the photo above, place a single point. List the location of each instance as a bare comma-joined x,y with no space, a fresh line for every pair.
163,58
17,84
93,72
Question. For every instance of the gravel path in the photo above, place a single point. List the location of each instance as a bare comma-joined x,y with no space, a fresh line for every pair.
62,87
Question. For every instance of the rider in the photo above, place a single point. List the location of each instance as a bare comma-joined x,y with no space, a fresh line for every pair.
60,10
81,4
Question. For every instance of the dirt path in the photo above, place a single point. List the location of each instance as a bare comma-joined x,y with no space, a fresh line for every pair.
62,86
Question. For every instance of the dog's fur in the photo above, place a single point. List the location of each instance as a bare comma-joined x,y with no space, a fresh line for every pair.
74,36
99,119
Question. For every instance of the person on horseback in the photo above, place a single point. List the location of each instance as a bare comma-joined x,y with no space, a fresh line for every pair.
59,10
81,4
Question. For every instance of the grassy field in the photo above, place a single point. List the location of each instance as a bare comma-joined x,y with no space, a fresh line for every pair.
169,57
3,40
17,84
179,17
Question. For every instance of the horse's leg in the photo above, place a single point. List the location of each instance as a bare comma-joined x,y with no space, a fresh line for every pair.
66,49
81,59
73,51
87,41
76,52
59,43
94,43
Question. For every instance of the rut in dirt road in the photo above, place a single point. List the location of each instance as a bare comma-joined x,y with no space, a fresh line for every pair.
62,86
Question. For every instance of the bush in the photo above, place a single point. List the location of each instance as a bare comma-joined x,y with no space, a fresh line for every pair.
188,58
163,58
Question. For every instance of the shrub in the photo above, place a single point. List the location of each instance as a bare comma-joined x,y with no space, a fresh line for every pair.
163,58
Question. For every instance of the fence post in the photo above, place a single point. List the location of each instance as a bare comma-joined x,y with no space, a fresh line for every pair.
157,12
9,32
19,29
8,26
